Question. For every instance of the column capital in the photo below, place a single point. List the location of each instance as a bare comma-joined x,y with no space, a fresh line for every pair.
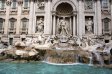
74,13
53,12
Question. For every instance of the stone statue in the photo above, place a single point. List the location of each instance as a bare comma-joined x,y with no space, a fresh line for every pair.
41,39
88,5
41,5
40,25
63,29
89,25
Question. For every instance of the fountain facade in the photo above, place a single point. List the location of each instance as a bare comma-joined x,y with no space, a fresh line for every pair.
64,49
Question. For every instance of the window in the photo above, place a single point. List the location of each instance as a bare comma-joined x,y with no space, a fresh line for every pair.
24,23
105,3
14,4
12,23
106,24
1,23
26,3
2,4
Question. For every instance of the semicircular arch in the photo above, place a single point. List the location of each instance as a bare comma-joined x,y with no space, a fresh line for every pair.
64,1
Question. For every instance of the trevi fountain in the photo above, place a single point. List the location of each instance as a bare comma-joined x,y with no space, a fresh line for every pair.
61,54
61,51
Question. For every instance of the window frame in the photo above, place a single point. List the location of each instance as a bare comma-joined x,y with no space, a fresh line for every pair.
12,4
105,4
23,21
2,6
26,6
12,20
1,23
106,25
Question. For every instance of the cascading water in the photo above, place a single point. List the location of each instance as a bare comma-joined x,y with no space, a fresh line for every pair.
99,58
90,60
77,58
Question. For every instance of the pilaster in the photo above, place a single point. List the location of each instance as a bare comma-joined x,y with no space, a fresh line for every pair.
34,19
99,22
54,24
8,3
111,16
95,20
80,19
48,17
30,26
19,17
74,25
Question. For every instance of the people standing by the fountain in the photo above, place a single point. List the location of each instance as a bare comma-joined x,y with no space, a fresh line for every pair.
89,25
63,29
40,25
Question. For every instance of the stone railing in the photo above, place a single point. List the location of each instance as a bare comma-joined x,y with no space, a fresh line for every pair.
2,11
23,30
12,30
25,10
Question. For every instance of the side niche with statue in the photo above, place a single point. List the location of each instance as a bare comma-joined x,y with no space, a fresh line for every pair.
40,25
89,25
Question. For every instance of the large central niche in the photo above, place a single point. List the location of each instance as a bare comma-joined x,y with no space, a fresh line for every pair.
64,9
64,17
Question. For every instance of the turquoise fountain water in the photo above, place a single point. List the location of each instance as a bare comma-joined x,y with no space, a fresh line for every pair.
43,68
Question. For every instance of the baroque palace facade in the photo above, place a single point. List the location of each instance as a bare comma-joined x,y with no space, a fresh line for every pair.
21,19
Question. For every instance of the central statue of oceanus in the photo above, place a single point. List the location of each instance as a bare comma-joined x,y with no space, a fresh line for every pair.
63,29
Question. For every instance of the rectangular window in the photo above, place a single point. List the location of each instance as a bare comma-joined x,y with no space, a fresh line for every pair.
105,3
12,25
106,26
2,4
26,3
1,24
24,24
14,4
106,22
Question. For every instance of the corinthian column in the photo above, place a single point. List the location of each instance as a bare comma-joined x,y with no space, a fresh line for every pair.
111,16
54,25
48,22
8,3
19,17
31,17
80,25
74,25
34,18
95,19
99,23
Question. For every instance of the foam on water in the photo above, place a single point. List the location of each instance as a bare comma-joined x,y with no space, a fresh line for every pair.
61,63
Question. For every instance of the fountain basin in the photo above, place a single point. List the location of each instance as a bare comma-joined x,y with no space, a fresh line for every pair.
43,68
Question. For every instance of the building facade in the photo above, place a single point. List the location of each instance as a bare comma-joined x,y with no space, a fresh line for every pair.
21,19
